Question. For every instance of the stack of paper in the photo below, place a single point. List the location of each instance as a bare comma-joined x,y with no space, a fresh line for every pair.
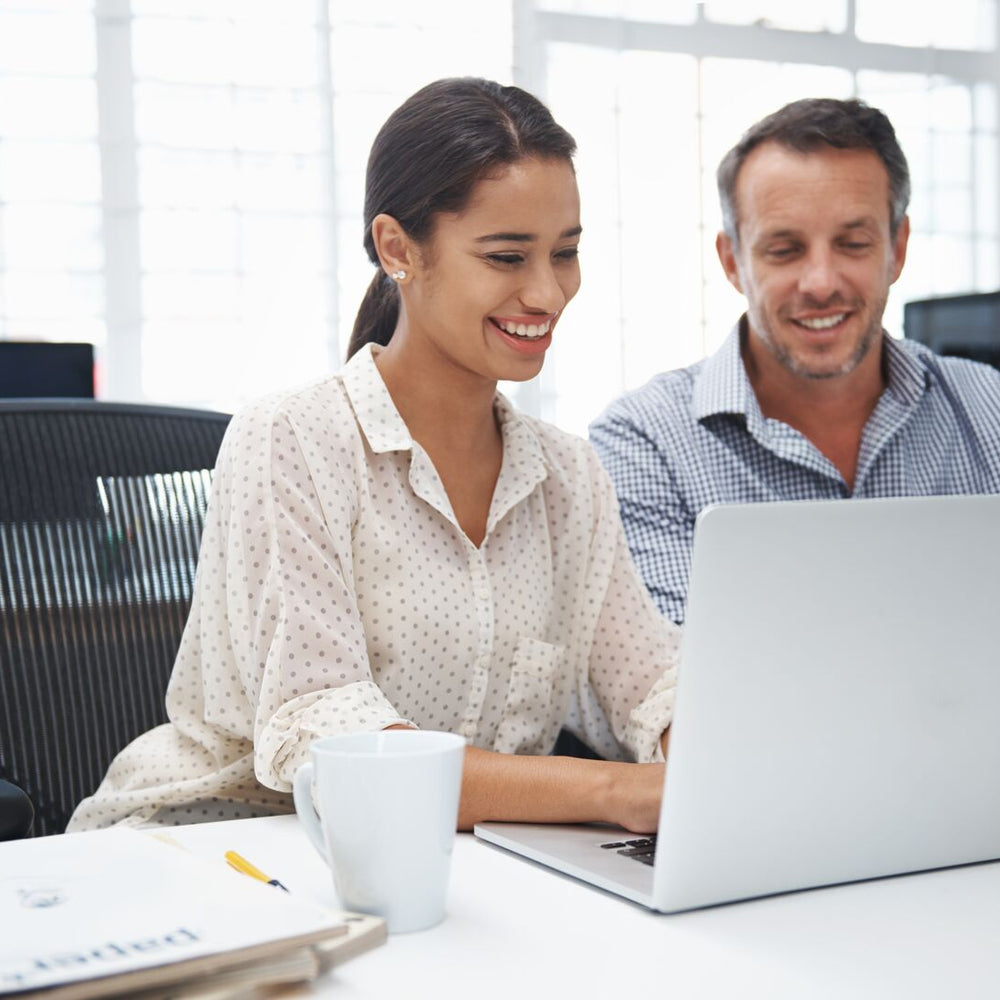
97,914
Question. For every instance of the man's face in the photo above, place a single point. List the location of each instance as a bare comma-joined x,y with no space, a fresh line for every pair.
815,258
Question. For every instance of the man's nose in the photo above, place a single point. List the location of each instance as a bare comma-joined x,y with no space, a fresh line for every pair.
819,279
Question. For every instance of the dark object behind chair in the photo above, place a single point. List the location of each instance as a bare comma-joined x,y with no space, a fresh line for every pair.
16,812
38,368
962,326
568,745
101,512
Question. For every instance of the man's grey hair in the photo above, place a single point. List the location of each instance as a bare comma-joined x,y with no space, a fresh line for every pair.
808,125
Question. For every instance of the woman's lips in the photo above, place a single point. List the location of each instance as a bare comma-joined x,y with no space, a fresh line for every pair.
535,340
529,327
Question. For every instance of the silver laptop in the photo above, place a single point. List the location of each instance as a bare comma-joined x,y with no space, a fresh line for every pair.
838,707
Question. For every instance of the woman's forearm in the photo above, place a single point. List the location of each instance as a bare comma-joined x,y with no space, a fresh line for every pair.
497,786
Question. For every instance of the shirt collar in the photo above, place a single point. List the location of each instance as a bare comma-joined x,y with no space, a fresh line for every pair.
907,377
722,384
376,413
524,460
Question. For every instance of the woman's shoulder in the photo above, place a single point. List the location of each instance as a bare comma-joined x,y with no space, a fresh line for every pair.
312,419
320,404
568,457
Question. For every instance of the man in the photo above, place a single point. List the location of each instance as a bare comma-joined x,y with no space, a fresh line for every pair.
808,398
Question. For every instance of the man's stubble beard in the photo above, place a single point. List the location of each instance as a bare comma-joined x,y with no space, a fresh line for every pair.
868,340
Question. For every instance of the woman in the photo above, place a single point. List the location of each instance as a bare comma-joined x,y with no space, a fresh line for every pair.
396,546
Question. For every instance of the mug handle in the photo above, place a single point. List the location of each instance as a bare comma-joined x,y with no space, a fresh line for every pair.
308,817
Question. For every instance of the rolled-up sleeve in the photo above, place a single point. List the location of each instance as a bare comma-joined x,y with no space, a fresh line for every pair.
630,650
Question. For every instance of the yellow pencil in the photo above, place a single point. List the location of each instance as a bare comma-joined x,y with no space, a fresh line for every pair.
242,865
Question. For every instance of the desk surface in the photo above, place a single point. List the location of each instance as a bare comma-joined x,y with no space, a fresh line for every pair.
514,928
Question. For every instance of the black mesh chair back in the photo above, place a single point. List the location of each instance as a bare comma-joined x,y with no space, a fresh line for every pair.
101,512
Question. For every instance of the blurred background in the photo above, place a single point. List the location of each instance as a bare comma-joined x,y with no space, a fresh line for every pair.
181,181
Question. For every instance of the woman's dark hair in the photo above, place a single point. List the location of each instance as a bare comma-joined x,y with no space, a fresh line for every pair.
427,158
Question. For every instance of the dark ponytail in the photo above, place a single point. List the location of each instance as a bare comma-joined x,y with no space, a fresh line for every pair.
377,316
427,158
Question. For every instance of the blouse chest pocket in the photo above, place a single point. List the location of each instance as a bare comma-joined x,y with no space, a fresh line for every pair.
530,718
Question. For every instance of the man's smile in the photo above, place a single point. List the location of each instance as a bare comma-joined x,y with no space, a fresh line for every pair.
821,322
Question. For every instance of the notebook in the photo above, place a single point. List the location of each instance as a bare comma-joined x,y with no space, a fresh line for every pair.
837,706
121,912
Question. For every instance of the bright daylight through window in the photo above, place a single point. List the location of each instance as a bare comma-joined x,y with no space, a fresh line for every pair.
181,180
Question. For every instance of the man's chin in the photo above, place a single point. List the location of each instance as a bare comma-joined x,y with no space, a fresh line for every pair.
826,366
816,373
836,361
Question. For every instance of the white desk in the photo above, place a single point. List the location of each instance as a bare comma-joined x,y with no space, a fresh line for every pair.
519,932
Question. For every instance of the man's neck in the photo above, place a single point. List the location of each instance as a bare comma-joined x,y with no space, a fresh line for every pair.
831,413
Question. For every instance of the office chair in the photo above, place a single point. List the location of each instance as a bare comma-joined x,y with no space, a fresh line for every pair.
101,512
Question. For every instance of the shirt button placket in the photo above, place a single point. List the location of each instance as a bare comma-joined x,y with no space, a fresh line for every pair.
483,598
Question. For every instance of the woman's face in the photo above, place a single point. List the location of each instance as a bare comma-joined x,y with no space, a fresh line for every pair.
494,278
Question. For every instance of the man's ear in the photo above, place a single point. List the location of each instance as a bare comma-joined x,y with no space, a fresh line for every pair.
727,258
394,248
899,244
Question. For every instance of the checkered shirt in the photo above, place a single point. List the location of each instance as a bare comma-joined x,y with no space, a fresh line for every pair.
697,436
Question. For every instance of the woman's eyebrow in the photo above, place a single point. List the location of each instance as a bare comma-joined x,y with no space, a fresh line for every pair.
525,237
507,237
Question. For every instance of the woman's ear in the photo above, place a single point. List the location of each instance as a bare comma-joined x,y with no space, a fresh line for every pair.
395,250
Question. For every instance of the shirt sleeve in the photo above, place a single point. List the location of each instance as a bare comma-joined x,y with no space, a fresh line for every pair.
632,650
659,528
296,637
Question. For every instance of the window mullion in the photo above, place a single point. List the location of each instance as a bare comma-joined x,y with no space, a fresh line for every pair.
329,192
122,361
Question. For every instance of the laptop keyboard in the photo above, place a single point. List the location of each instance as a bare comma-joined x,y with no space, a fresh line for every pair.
642,849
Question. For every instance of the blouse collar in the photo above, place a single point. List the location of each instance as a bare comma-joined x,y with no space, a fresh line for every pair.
524,461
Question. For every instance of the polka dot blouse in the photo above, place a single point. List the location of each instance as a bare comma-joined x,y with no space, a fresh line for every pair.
336,593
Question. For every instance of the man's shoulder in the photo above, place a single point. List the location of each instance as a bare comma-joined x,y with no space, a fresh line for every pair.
969,379
664,400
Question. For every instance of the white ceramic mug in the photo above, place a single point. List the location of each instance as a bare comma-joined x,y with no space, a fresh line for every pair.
388,808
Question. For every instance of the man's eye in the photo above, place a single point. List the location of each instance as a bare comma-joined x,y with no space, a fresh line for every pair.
781,253
568,254
856,247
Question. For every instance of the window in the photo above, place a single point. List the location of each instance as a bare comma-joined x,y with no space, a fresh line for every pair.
51,251
181,181
655,103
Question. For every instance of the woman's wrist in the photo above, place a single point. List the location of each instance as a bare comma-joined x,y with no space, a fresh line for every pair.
609,793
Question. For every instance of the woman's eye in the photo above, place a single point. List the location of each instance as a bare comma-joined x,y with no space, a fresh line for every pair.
569,253
505,258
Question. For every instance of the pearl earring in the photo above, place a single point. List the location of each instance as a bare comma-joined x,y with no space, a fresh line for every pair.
398,275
